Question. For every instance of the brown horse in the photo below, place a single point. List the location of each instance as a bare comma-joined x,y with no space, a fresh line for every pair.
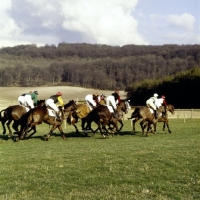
164,116
122,108
80,113
41,114
83,110
148,118
14,113
102,117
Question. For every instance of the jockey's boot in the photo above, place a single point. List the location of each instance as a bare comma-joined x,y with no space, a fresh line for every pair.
115,114
58,116
155,114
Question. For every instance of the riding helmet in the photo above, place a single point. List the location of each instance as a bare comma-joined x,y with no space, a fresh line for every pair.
155,95
59,94
103,95
36,92
163,96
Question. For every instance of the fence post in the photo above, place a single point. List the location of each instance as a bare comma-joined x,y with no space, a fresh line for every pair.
184,116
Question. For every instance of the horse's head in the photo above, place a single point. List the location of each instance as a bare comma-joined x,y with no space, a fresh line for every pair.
41,102
170,108
70,106
125,106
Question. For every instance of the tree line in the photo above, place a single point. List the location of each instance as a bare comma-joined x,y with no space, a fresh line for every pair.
93,65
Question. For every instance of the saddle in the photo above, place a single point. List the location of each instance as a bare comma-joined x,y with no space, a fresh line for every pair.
51,111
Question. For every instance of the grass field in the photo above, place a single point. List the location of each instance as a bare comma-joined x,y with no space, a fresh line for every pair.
126,166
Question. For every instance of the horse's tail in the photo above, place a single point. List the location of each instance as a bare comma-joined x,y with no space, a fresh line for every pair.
69,117
4,110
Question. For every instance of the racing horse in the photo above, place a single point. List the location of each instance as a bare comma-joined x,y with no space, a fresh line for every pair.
99,117
14,113
102,116
122,108
148,118
42,114
80,113
164,116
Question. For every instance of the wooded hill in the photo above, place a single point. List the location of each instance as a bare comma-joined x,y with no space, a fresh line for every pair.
181,90
97,66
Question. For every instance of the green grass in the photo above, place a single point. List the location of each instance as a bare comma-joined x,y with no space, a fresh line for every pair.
161,166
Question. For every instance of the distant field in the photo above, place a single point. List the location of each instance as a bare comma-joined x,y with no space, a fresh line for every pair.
9,95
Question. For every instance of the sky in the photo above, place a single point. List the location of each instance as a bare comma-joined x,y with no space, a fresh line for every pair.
110,22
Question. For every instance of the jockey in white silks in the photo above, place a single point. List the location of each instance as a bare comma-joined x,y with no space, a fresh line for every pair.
21,99
151,103
30,99
92,100
113,99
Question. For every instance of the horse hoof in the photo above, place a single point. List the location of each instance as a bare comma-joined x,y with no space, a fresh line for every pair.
63,137
9,135
16,139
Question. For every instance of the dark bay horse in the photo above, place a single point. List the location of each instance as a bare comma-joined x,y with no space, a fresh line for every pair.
14,113
83,110
122,107
80,113
148,118
39,115
102,117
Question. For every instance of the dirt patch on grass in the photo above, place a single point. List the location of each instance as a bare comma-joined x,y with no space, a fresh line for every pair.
9,95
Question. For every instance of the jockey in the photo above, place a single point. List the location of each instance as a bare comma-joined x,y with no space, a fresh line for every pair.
51,102
113,99
92,100
21,99
30,99
161,102
151,103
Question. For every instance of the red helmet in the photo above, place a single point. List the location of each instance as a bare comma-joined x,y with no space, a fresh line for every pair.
117,91
163,96
59,94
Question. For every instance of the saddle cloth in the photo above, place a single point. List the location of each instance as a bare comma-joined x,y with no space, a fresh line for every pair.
110,108
152,111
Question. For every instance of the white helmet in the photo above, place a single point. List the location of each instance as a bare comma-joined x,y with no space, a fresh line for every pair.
155,95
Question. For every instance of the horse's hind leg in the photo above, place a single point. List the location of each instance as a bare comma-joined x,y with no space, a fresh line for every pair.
3,121
33,128
8,126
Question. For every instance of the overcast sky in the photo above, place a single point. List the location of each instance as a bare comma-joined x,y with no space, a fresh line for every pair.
111,22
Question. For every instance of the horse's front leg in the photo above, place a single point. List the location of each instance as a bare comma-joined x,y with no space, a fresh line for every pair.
167,124
61,132
47,136
142,126
121,123
163,126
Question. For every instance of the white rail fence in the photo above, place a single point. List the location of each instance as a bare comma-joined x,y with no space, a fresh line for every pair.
179,114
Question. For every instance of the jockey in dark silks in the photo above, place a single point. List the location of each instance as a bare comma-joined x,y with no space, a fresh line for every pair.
116,96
